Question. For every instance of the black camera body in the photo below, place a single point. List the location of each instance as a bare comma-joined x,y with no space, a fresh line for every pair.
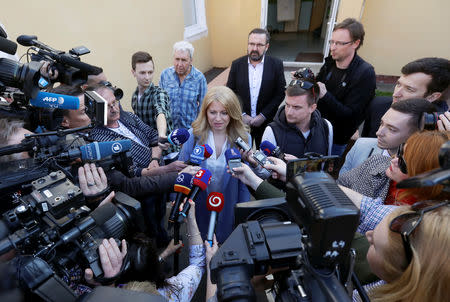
314,248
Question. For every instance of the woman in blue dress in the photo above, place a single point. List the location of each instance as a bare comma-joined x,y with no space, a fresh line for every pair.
218,124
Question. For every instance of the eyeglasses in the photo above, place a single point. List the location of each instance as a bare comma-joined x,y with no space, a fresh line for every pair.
304,84
401,160
339,43
259,45
114,104
405,224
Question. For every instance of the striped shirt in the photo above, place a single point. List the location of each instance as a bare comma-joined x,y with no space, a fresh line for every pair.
141,153
372,212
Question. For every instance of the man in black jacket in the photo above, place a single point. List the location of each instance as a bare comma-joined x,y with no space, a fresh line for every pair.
298,127
347,83
259,82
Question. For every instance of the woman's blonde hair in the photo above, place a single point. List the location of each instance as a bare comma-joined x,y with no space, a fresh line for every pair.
422,155
236,127
427,277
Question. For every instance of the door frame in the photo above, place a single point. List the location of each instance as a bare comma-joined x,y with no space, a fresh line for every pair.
330,25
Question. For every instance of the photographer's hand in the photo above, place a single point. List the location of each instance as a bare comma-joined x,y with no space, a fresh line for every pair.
444,122
278,168
289,157
323,89
92,179
111,260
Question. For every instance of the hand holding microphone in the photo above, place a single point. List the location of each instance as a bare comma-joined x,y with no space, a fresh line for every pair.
270,149
200,182
183,185
214,204
96,150
177,137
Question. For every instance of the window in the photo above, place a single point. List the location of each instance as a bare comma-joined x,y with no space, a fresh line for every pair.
194,19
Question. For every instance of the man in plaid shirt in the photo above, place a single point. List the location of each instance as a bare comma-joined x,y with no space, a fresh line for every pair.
185,84
149,102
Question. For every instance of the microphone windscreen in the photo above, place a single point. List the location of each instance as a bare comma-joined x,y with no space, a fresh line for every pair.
208,151
104,213
202,179
232,153
8,46
267,147
215,202
99,150
197,155
54,100
178,136
183,183
26,40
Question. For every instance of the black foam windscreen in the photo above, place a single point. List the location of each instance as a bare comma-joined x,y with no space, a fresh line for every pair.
8,46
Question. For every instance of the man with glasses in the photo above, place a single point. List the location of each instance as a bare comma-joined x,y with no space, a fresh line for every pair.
258,80
125,125
347,83
298,127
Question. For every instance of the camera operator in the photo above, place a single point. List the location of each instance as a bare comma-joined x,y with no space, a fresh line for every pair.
12,132
181,287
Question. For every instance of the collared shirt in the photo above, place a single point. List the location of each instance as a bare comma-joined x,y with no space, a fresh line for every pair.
153,102
255,74
372,213
216,163
185,98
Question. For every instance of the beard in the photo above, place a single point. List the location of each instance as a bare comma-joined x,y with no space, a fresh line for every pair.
255,57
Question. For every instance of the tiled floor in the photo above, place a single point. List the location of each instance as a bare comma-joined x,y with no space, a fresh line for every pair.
286,46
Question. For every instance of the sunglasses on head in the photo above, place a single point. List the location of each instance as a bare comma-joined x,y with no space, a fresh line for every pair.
302,83
401,161
305,74
405,224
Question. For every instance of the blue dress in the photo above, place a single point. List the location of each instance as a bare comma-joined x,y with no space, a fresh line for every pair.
234,191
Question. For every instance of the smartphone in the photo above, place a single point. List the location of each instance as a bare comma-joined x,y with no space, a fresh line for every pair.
243,145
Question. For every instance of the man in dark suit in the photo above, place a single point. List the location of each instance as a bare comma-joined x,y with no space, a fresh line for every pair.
259,82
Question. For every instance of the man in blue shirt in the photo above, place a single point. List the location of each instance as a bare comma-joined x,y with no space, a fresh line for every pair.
185,84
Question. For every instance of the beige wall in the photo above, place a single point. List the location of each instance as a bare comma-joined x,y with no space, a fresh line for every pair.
229,23
400,31
349,9
113,30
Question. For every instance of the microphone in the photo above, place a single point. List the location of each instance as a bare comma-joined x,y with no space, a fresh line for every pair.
233,157
98,217
200,182
214,203
28,40
208,151
197,156
182,186
177,137
270,149
8,46
53,100
97,150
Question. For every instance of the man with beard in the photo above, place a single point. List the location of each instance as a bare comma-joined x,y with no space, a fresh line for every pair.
259,82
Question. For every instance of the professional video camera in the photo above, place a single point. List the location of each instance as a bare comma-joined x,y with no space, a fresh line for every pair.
313,249
52,230
54,151
28,104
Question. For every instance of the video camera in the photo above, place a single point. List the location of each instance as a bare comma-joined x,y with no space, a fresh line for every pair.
53,230
27,103
63,150
309,234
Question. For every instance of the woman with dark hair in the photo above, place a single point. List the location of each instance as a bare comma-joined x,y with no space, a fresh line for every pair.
181,287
